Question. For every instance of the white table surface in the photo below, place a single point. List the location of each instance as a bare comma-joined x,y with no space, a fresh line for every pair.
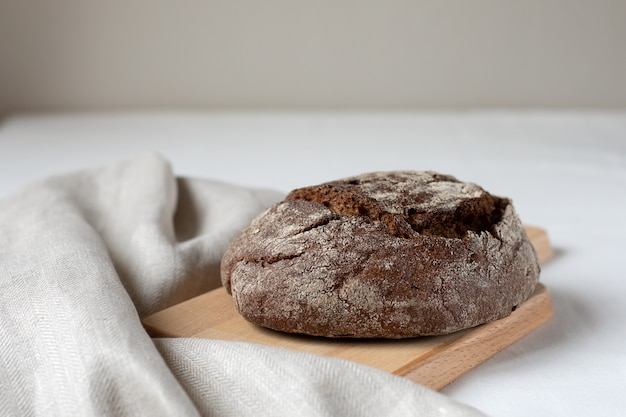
565,171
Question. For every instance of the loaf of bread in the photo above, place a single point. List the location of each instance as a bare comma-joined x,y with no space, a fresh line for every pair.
382,255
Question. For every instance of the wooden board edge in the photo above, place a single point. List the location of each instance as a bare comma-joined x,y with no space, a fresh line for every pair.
443,366
155,331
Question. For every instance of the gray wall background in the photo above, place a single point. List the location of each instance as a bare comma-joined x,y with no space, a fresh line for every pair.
63,55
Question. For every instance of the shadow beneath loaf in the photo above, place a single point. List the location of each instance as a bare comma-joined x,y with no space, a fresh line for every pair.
301,338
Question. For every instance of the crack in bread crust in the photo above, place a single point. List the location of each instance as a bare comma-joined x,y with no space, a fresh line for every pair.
377,197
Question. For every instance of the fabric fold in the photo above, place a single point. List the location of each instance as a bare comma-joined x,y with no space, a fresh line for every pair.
243,379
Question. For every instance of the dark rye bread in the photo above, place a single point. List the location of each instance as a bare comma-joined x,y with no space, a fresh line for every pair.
390,255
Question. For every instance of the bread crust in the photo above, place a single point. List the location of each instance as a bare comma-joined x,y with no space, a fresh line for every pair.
382,255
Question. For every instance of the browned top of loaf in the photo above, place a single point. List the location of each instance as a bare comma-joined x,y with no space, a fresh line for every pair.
394,254
410,204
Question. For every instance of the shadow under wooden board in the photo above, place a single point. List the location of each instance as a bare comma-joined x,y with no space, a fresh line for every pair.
433,361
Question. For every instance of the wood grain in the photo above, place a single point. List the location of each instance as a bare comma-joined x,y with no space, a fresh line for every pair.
430,361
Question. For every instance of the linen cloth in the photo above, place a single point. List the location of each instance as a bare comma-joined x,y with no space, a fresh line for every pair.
85,255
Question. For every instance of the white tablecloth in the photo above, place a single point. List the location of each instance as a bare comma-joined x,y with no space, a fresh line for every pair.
564,171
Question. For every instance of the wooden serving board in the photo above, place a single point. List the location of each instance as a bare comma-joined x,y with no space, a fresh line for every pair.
431,361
